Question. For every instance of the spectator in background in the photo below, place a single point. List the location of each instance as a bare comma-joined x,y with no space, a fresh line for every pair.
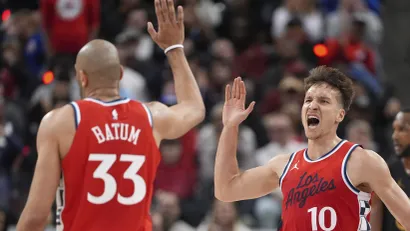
350,48
306,11
289,91
34,46
69,24
281,132
13,73
137,20
10,147
223,49
132,84
338,22
168,208
224,216
360,132
177,172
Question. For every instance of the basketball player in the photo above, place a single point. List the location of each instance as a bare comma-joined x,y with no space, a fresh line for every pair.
326,186
107,147
381,218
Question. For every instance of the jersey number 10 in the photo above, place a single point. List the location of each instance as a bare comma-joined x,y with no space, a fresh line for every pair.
110,184
314,218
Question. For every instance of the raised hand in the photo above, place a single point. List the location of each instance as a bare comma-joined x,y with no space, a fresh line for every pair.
171,29
234,111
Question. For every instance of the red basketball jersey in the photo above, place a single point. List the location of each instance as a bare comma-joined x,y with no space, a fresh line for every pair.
318,195
109,171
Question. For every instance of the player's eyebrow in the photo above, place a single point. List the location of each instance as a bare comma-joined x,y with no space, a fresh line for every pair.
324,97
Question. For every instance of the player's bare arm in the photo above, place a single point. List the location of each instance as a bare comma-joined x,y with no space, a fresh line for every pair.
47,172
376,216
173,122
369,171
230,183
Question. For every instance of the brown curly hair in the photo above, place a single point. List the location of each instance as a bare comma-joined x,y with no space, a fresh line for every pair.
335,79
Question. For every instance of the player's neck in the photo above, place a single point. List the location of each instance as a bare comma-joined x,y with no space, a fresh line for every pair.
321,146
103,94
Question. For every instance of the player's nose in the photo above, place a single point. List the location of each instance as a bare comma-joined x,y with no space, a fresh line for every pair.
394,135
313,105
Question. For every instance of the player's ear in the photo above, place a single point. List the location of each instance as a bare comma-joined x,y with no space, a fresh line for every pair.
122,72
340,115
83,78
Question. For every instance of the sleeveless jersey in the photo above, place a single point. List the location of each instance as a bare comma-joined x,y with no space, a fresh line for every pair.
318,195
399,174
109,171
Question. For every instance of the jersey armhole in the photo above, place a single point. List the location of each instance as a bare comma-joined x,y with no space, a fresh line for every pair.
77,114
346,177
150,119
285,171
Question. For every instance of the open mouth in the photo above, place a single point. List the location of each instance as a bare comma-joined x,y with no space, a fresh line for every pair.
313,121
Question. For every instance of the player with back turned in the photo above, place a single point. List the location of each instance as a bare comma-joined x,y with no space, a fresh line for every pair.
381,218
101,152
326,186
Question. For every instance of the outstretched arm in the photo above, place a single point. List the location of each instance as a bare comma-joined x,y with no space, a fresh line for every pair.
230,183
173,122
377,175
233,185
46,178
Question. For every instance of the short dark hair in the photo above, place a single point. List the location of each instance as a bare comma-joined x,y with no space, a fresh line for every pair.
335,79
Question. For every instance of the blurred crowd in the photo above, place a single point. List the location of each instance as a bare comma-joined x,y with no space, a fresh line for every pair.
271,44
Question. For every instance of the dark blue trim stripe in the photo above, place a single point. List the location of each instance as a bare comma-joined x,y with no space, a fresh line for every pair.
286,168
325,155
345,168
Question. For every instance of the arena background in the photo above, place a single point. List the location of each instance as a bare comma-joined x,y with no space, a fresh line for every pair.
272,44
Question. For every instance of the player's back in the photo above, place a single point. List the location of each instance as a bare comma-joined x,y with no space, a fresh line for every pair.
109,170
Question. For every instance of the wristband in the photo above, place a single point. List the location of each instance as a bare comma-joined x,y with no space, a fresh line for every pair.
173,47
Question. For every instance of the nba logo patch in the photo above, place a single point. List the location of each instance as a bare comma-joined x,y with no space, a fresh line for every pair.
114,114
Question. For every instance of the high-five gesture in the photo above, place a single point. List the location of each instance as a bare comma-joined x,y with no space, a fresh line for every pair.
234,111
171,29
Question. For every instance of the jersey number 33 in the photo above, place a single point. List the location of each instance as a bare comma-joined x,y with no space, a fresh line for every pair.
110,184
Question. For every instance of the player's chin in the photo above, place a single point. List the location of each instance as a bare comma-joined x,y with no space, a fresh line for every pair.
311,135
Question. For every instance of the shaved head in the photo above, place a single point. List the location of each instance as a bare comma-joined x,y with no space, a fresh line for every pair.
99,61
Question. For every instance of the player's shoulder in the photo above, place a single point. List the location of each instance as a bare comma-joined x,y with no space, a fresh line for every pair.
155,106
281,157
365,155
367,160
57,119
58,114
278,162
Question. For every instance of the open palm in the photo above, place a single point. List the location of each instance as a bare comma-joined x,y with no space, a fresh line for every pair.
171,30
234,111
